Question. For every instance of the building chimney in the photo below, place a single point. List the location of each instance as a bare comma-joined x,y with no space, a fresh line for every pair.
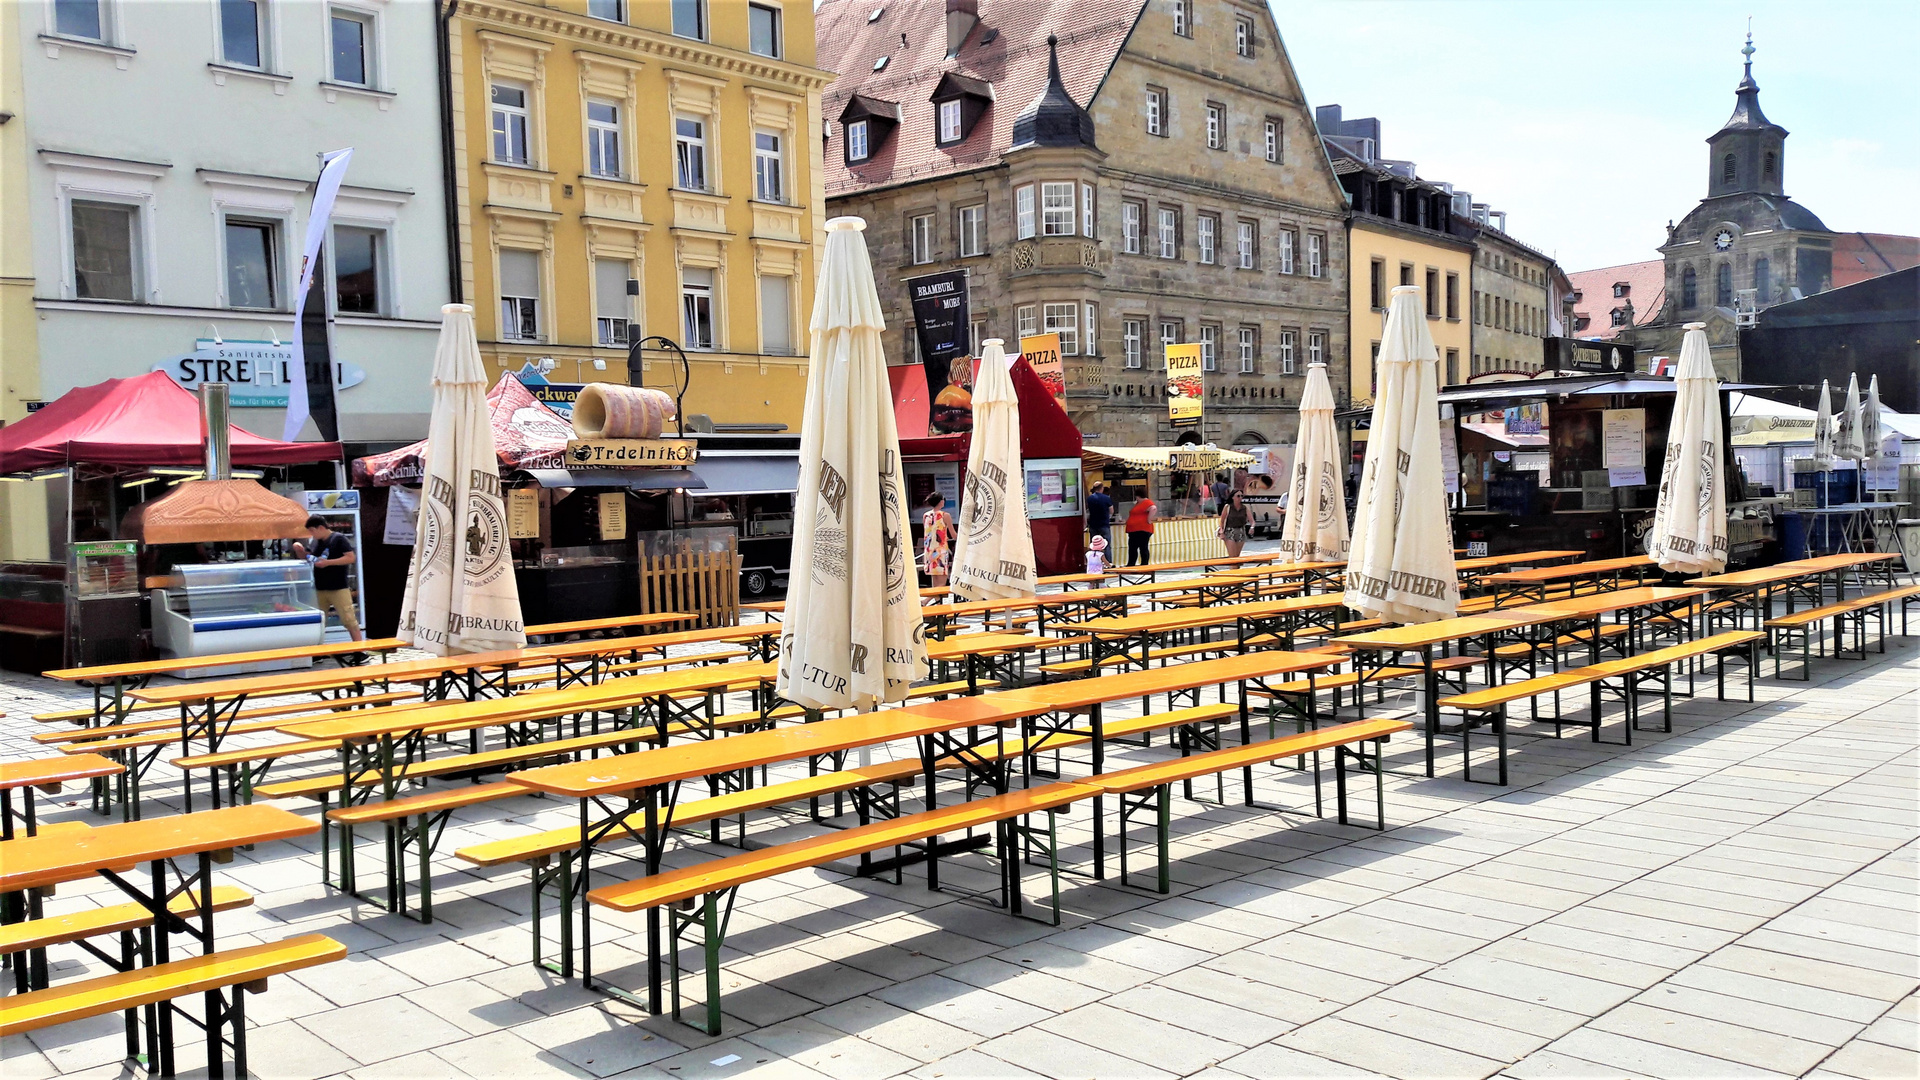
962,15
1502,215
214,430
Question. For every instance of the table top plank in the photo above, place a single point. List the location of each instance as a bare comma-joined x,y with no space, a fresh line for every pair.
1152,622
53,770
611,622
167,666
1440,631
1482,562
1798,568
34,861
1539,574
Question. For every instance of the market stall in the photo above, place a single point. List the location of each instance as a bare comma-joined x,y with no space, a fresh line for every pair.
106,453
1187,525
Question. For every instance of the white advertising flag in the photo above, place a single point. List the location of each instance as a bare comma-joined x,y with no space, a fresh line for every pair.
333,170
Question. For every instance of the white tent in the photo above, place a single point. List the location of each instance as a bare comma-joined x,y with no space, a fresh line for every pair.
853,636
1689,531
994,555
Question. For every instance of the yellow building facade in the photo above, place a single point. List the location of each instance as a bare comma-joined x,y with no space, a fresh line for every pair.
674,145
1385,254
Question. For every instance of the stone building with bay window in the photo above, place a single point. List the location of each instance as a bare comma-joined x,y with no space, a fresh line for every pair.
1124,175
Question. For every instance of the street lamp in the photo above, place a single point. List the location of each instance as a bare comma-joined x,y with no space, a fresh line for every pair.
635,368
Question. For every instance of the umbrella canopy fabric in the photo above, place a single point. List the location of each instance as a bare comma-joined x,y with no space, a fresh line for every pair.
1689,531
1400,562
526,434
853,636
461,595
141,421
1846,429
1871,419
1823,431
1316,525
994,557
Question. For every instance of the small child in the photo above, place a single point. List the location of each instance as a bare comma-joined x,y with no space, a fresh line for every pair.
1097,555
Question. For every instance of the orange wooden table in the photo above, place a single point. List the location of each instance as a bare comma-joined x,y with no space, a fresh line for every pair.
46,774
622,623
1602,573
111,682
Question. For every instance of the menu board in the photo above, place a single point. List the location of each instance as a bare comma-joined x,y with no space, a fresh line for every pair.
1053,487
1624,446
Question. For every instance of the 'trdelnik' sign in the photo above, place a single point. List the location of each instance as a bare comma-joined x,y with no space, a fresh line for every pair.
256,370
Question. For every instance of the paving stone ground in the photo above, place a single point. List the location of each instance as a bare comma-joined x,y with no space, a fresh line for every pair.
1736,898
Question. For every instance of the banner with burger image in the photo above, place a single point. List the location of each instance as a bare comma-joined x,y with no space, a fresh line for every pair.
940,319
1042,353
1186,393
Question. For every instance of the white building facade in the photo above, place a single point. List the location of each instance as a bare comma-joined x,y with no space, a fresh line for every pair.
170,155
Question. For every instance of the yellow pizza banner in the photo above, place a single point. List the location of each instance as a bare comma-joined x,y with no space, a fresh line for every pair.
1186,392
1043,355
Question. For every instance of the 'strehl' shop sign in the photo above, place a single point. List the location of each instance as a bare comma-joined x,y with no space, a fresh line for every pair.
257,371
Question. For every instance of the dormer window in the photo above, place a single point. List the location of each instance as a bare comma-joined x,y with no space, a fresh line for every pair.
866,123
958,103
1620,289
1619,316
857,141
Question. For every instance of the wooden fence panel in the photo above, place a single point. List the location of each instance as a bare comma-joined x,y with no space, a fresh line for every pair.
705,584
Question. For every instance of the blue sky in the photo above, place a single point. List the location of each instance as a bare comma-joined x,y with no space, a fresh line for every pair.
1586,119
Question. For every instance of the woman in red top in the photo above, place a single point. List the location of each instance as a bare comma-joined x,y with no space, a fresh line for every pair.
1140,521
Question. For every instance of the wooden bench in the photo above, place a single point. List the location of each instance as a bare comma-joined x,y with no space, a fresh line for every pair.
224,978
1297,696
17,939
1808,627
1489,706
1162,653
103,736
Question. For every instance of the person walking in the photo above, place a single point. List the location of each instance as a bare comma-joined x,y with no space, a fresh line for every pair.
1218,490
1140,521
1100,513
936,543
331,554
1234,521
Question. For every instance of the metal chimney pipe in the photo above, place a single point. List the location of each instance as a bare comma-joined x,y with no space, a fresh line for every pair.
214,430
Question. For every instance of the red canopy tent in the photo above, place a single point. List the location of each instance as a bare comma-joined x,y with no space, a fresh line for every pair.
143,421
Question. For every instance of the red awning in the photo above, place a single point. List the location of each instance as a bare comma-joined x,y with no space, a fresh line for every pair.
526,435
1045,429
145,420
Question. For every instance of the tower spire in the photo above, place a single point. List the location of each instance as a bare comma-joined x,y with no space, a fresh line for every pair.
1747,51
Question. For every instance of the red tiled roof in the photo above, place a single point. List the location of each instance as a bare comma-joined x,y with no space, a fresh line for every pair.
1861,257
1646,287
1091,34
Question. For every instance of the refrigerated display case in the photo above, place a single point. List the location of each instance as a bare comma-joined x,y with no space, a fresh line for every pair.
216,608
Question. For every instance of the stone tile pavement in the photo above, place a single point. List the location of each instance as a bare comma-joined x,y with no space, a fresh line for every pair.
1737,898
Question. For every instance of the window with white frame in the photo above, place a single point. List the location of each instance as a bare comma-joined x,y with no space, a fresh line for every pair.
242,33
1203,233
519,295
612,307
1314,264
1181,17
1243,35
253,264
979,328
510,123
763,32
1248,238
1209,347
1156,111
603,139
610,10
1169,233
1316,347
857,141
1216,126
920,236
1056,209
690,153
949,121
1130,215
1247,350
1169,335
1086,210
1130,333
1023,211
107,254
360,270
1062,319
690,19
769,180
1273,139
1026,320
973,231
351,39
776,316
1286,352
1092,312
1286,251
80,19
696,308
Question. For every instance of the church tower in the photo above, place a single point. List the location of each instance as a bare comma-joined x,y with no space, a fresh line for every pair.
1748,154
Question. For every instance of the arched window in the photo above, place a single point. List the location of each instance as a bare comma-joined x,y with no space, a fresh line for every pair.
1728,170
1762,279
1767,168
1723,285
1689,288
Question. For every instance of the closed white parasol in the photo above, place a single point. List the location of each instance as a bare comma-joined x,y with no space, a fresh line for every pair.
994,558
461,596
1848,442
853,635
1316,524
1689,531
1823,431
1400,563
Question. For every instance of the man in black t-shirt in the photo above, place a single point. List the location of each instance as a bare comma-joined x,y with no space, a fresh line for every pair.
1100,513
331,554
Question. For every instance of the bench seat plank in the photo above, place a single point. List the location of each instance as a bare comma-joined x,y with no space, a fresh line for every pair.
72,926
1177,769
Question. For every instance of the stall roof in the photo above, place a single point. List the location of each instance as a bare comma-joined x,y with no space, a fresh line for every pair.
747,473
1520,391
140,421
1160,458
631,479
